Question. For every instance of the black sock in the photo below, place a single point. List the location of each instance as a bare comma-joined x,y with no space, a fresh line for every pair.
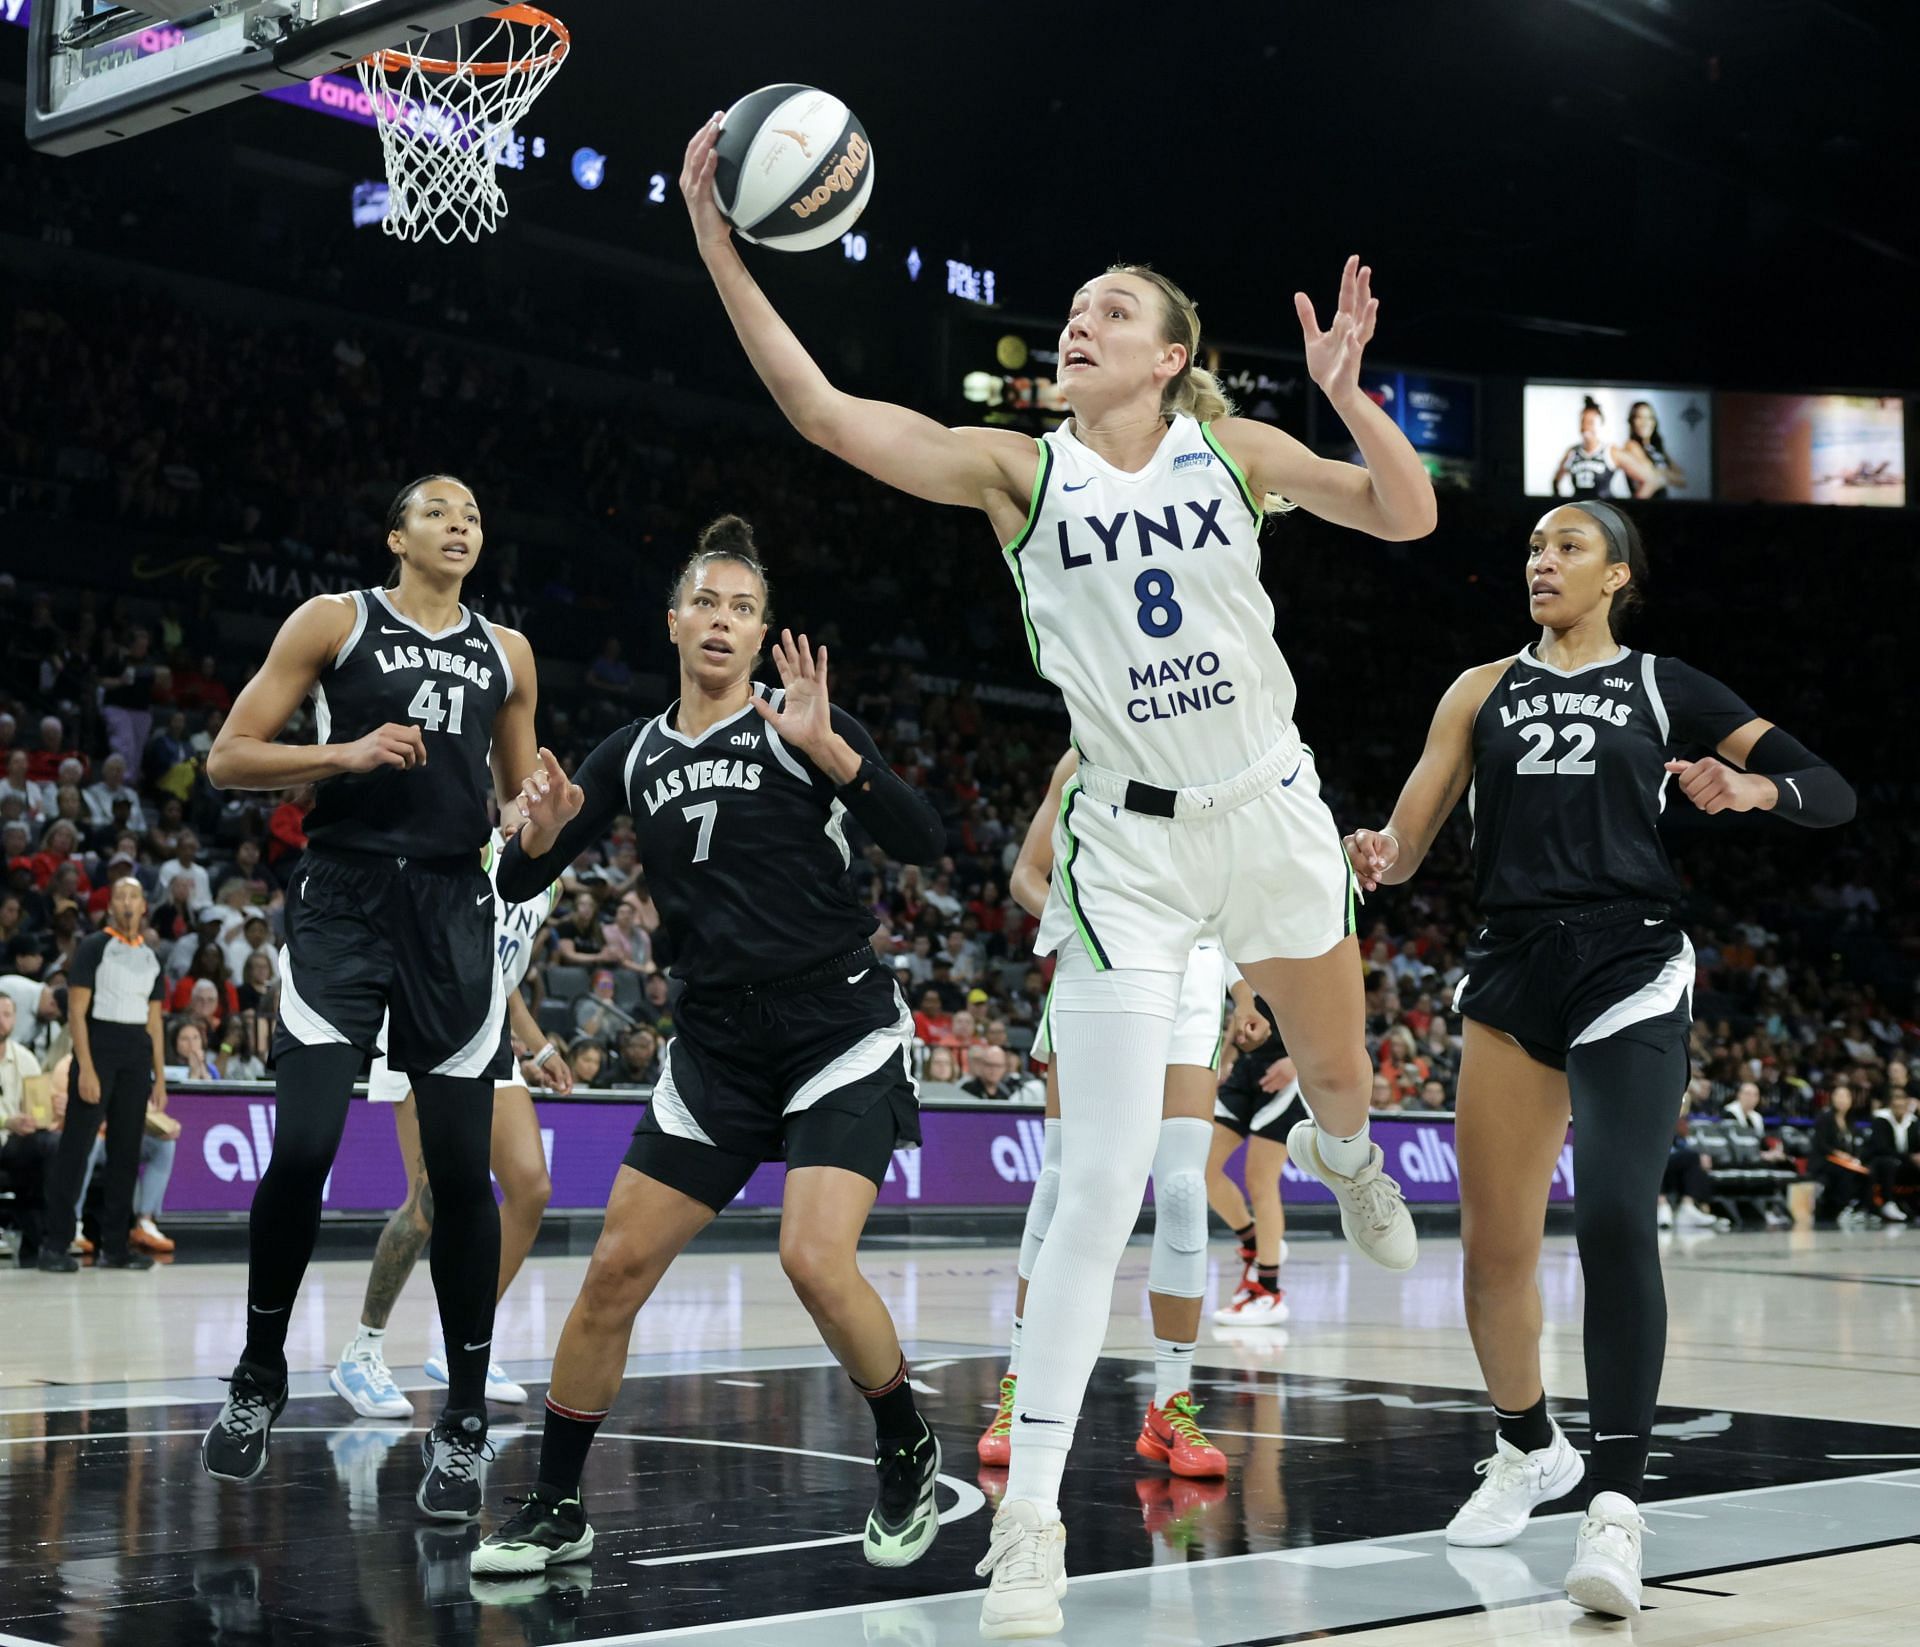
456,1132
896,1421
1245,1236
1529,1430
312,1086
1617,1464
1268,1275
563,1448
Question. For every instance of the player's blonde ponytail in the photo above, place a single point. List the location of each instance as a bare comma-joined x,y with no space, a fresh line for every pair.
1193,389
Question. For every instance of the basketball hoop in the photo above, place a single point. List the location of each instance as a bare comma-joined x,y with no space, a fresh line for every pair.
447,122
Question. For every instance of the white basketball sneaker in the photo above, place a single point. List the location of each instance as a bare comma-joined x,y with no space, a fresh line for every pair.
1373,1213
500,1387
1605,1575
1028,1562
1516,1485
1255,1307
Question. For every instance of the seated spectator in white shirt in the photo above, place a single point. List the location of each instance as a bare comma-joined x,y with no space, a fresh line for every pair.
112,787
941,896
965,957
36,799
185,862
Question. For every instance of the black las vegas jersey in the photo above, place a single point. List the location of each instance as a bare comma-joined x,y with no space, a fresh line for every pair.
1590,473
450,685
742,840
1569,779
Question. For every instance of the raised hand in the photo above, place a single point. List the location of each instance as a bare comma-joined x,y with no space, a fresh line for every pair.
549,801
1713,786
805,717
696,187
1333,356
1372,852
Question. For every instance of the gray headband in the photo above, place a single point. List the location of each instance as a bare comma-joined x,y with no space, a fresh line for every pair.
1612,524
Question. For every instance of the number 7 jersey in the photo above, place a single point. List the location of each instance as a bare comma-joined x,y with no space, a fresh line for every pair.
1142,602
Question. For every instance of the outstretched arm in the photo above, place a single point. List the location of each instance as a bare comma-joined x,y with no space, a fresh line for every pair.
1392,497
972,467
1033,869
1386,857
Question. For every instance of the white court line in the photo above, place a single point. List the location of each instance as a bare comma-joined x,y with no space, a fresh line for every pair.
743,1383
1873,1455
969,1499
1274,1435
19,1641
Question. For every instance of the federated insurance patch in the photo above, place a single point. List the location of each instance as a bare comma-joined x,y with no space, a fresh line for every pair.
1191,460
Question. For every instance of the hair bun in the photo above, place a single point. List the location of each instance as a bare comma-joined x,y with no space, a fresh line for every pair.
730,534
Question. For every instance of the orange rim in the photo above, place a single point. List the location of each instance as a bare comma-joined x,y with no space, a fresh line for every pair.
398,62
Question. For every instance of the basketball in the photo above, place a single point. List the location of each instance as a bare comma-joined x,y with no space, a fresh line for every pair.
795,168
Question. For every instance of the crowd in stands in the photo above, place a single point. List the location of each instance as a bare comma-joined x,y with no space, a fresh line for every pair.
136,418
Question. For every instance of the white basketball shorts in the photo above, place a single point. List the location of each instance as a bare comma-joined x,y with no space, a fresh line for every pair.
1198,1027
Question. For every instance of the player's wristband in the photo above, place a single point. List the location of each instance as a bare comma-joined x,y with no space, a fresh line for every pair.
539,1059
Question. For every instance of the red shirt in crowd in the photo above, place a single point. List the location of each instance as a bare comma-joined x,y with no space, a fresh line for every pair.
285,832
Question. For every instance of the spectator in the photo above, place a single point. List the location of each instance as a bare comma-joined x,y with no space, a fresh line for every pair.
965,958
940,1066
1839,1143
36,799
250,870
988,1077
286,829
40,1023
191,1060
253,937
185,860
1431,1099
952,995
585,1058
1893,1154
29,1135
1383,1101
932,1023
258,989
43,764
940,896
656,1007
127,686
594,1013
919,959
210,968
627,944
168,761
579,940
639,1062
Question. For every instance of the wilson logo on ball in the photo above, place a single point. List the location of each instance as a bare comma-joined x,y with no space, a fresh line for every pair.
793,167
840,176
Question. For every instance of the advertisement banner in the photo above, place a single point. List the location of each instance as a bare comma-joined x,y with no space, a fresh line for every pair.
1846,449
972,1157
1610,440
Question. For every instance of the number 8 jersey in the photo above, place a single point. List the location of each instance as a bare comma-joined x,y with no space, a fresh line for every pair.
1570,779
1142,602
451,685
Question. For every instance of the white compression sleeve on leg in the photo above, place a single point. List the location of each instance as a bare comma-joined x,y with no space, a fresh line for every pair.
1178,1267
1110,1034
1040,1205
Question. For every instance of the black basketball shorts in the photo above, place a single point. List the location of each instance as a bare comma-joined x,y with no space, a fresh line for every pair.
816,1071
1565,983
371,937
1238,1103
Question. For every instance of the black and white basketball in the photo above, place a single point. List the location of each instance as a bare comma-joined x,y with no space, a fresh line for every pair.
794,168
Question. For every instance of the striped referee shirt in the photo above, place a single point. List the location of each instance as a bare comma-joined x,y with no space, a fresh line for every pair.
123,973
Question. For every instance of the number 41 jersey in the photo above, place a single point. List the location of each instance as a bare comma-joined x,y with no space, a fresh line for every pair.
1570,779
451,685
1142,601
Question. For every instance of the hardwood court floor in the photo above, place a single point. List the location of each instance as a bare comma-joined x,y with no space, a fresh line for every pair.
733,1471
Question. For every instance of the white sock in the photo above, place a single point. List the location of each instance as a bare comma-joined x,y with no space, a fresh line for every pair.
1110,1033
368,1341
1346,1156
1013,1351
1172,1369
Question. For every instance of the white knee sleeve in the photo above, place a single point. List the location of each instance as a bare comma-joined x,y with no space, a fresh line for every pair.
1178,1267
1045,1193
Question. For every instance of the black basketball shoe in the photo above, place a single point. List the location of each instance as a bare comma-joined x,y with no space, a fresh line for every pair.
544,1532
455,1453
235,1449
904,1520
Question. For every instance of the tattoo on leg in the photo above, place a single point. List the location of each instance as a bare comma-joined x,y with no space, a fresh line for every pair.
401,1244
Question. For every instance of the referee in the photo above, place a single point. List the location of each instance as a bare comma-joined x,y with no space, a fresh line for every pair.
114,989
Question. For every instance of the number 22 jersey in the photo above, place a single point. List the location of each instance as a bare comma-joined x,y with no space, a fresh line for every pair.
1570,779
1141,596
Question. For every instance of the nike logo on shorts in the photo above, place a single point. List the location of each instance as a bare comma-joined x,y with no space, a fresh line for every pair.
856,977
659,757
1080,488
1649,923
484,898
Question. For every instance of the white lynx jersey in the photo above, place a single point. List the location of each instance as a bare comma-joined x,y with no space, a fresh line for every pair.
1143,604
515,926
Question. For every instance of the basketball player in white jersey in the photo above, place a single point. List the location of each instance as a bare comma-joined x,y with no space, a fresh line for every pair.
1177,1271
1133,535
361,1377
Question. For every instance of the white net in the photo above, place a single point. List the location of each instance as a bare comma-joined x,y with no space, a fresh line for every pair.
448,123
